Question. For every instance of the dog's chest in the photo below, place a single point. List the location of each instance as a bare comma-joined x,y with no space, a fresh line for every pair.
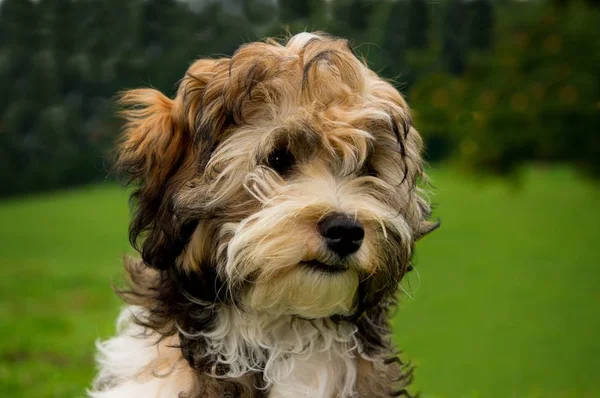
306,359
319,375
297,358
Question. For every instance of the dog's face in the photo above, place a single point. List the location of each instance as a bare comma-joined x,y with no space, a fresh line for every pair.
287,174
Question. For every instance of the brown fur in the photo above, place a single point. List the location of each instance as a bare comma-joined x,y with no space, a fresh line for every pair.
198,162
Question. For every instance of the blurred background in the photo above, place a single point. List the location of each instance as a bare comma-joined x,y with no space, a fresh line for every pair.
505,300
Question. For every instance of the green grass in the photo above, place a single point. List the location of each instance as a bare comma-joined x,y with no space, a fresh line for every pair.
507,305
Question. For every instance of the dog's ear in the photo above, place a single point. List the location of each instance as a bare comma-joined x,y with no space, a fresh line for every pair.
152,155
165,143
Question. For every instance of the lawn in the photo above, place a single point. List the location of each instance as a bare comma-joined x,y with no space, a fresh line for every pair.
507,303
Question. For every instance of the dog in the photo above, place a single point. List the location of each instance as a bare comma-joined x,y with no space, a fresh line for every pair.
277,206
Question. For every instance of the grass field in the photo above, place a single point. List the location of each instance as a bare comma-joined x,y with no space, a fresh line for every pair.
507,303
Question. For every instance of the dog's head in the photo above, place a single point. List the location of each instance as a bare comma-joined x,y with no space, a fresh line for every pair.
286,175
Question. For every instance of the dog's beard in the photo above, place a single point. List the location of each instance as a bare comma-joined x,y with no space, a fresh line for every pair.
305,293
278,259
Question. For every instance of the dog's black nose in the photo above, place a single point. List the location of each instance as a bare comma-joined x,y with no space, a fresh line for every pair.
343,234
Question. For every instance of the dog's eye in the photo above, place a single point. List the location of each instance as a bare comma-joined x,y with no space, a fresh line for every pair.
281,160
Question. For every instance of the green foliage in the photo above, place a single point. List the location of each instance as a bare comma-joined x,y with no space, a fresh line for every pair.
292,10
63,61
18,24
418,24
535,97
259,12
454,32
353,14
481,27
492,84
491,316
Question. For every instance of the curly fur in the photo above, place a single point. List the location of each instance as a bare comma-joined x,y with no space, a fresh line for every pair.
222,302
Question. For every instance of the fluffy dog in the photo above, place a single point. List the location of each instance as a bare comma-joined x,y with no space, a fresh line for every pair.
277,209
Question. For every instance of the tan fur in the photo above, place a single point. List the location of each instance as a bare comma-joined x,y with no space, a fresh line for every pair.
225,289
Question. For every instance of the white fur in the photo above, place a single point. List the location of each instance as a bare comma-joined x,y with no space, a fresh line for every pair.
298,358
322,374
137,366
